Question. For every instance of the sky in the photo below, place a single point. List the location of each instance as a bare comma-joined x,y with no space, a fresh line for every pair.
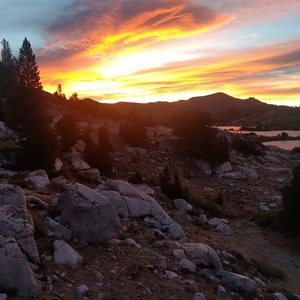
161,50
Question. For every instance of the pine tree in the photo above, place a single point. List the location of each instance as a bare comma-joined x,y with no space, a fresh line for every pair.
6,53
28,74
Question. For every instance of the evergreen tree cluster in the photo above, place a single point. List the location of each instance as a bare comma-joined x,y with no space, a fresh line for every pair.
171,186
98,155
133,131
198,139
21,71
291,202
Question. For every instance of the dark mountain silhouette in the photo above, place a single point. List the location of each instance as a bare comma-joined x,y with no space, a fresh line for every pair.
225,110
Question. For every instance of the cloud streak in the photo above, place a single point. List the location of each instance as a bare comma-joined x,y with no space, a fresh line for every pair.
172,49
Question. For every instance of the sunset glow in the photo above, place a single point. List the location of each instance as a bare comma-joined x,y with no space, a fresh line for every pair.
132,50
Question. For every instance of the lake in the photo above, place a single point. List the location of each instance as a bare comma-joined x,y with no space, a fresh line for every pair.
287,145
236,129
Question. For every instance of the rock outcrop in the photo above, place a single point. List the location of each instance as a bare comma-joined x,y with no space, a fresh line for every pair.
202,255
15,273
89,215
38,179
15,221
130,201
65,255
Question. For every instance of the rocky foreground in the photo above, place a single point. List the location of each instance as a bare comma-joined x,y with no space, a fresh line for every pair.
95,239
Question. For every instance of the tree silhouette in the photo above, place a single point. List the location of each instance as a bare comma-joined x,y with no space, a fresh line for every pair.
6,53
27,69
8,67
98,155
74,97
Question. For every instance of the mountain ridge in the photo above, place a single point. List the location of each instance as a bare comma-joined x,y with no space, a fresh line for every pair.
225,110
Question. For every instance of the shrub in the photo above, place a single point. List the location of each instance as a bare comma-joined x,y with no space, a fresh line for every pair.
291,202
296,150
67,129
136,178
26,113
98,155
172,187
246,146
199,139
268,270
266,218
134,134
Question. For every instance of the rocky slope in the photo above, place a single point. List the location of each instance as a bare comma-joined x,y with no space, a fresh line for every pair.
89,237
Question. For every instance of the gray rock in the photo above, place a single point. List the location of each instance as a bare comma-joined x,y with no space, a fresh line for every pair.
133,243
79,147
204,166
91,174
138,203
191,286
28,246
7,173
59,182
179,254
182,205
214,222
3,296
117,201
279,296
248,172
220,225
221,291
65,255
59,231
15,272
76,157
81,290
174,230
237,281
202,219
90,216
6,133
187,266
10,194
233,175
182,218
15,221
198,296
276,169
171,275
58,164
226,167
38,179
224,228
263,207
202,255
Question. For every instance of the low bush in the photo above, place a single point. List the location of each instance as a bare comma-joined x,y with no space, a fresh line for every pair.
268,270
266,218
246,146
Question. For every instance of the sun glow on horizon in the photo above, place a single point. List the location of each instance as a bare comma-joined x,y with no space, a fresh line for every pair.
167,51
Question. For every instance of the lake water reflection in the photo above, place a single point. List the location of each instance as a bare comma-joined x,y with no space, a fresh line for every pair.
288,145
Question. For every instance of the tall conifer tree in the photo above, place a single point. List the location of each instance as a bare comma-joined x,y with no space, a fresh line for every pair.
28,74
6,53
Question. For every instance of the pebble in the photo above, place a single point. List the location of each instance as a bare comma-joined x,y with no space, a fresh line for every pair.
82,289
171,275
198,296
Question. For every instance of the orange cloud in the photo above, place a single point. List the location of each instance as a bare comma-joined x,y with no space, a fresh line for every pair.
163,50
